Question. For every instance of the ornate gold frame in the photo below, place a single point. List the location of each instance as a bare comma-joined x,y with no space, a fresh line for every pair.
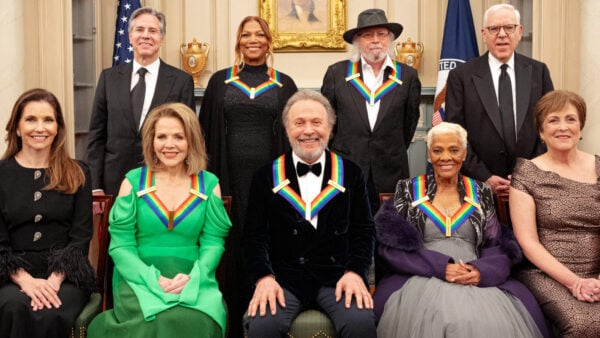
330,40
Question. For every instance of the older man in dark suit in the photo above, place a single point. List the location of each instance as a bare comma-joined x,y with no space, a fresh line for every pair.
308,238
124,95
500,127
377,103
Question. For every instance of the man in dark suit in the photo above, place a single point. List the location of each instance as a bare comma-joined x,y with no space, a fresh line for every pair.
473,100
308,239
114,142
377,103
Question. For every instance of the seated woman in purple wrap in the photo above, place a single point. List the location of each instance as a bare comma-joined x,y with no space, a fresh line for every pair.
446,258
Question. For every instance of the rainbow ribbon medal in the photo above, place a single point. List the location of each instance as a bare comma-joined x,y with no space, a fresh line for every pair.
252,92
447,224
334,186
373,97
147,191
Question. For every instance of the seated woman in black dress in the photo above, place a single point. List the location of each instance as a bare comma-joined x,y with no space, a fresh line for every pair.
45,223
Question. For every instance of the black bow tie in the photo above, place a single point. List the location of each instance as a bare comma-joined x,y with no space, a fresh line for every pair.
303,168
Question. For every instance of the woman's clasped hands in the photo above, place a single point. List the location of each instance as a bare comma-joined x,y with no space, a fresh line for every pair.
43,292
173,285
461,273
586,289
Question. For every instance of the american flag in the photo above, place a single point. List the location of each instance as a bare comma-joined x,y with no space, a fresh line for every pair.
123,52
458,46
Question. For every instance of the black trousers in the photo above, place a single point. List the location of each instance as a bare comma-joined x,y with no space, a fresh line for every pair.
348,322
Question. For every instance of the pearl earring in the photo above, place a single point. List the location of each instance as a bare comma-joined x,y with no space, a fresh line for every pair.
18,133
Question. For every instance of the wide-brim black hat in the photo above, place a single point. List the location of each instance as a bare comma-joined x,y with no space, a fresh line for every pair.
374,17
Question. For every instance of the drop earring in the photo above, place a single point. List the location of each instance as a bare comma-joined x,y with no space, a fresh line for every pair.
18,133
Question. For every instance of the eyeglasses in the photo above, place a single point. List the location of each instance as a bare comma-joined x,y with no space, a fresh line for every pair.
508,29
372,35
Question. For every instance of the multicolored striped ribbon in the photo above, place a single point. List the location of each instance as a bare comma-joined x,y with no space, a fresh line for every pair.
334,186
373,96
171,218
446,223
252,92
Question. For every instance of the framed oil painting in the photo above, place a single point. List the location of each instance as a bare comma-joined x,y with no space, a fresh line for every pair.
305,25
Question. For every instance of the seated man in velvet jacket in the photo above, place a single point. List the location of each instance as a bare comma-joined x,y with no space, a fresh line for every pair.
308,238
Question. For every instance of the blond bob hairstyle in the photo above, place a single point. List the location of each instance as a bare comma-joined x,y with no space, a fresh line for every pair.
448,128
196,157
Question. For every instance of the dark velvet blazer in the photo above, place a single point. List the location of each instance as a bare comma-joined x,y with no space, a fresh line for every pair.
471,102
382,151
279,241
114,141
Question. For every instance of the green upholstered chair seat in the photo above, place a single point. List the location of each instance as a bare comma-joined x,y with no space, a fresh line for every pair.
312,324
91,309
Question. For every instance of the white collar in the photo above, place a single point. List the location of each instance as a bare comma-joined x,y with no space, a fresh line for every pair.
387,63
152,68
495,63
321,160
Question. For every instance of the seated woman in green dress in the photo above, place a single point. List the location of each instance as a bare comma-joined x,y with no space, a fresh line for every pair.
168,227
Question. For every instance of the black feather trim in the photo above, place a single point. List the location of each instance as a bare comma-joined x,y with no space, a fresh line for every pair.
509,245
74,263
9,264
394,230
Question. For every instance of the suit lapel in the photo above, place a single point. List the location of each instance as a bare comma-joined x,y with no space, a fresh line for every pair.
523,75
326,177
386,100
359,100
482,78
290,173
163,85
122,86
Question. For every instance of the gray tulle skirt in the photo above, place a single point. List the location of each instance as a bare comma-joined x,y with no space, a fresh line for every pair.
429,307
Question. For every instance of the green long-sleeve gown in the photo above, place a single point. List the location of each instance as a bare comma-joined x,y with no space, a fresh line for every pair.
143,248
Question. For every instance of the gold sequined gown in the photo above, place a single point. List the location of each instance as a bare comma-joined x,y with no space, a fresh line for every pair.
568,221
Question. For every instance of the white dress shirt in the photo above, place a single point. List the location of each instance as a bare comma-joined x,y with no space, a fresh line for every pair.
151,79
374,82
310,185
495,65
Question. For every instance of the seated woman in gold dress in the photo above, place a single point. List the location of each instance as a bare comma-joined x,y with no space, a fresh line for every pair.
555,211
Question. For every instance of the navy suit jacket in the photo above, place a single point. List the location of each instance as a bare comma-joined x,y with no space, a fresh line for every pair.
471,102
279,241
381,152
114,141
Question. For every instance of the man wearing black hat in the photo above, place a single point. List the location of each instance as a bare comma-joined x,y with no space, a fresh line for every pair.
377,104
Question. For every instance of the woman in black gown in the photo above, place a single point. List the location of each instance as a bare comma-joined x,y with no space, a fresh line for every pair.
241,120
45,223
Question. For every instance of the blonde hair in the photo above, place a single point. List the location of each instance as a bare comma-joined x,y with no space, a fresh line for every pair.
65,174
196,157
239,57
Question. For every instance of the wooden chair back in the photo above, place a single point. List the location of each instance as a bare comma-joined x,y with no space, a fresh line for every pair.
384,196
502,210
102,263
